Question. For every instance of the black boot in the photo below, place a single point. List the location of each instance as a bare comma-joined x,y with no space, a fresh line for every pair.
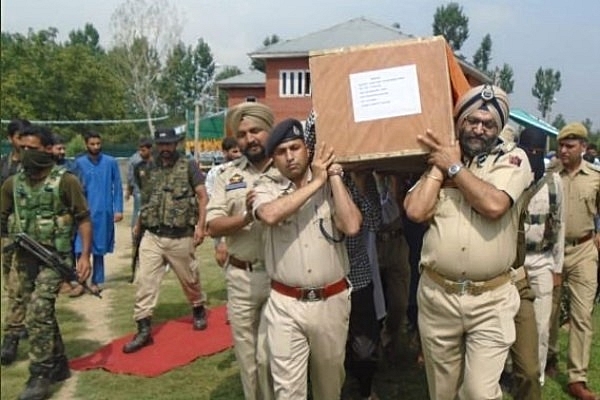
8,353
60,370
200,322
142,338
38,384
37,388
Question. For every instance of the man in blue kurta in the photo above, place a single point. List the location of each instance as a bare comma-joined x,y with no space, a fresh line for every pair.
99,174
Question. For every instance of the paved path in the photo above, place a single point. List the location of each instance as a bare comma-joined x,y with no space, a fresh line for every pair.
95,311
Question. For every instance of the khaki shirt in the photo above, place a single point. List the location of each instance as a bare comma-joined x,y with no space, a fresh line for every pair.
297,253
582,199
461,243
229,198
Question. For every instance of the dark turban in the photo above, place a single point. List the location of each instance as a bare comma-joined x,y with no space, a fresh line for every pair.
484,97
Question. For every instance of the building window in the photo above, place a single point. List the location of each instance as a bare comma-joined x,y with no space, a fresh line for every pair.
294,83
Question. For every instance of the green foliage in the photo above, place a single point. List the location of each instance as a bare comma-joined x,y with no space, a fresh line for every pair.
188,77
559,122
450,22
504,78
75,146
88,37
547,83
259,64
483,55
45,80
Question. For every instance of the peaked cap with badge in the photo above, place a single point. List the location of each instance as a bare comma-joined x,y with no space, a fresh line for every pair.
286,130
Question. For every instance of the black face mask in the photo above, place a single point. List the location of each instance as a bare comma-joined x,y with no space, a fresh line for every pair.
34,160
537,164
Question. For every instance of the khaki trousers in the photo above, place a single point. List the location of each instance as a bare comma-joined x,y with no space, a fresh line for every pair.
525,350
541,282
580,274
305,335
465,339
155,252
247,295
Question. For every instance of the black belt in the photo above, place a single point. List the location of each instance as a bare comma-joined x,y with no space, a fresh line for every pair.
169,231
578,241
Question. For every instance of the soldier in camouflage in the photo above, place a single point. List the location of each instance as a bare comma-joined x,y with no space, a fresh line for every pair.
45,202
14,321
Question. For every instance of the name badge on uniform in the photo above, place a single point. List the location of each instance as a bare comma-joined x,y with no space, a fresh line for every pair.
236,182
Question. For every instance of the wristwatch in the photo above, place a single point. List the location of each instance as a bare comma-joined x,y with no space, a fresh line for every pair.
454,169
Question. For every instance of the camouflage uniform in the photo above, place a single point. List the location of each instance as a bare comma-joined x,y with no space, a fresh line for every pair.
15,309
46,212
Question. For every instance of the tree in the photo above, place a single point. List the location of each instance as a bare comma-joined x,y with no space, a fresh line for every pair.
482,57
259,64
189,77
88,37
559,122
547,83
450,22
504,78
588,124
44,80
144,33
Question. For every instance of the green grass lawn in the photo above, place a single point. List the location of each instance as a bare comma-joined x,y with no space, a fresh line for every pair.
214,377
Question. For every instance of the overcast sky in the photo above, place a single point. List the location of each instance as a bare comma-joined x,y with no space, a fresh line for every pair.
526,34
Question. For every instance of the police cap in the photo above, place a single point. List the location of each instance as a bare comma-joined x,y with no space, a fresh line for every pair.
286,130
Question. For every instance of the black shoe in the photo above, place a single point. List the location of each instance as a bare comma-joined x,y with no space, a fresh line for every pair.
60,371
142,338
200,322
37,388
8,353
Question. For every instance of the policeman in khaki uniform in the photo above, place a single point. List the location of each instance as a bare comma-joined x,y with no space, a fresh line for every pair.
307,211
581,185
467,302
229,215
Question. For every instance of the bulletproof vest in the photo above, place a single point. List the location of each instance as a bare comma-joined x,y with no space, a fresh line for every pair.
40,213
550,221
171,199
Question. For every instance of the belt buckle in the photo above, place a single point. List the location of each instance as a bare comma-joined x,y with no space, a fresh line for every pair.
311,294
462,287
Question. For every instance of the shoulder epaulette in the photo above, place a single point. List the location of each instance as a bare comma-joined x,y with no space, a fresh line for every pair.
593,167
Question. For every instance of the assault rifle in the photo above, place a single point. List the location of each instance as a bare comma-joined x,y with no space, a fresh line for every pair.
48,258
135,254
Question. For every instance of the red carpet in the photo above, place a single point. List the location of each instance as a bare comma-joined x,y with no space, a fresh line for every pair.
175,344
